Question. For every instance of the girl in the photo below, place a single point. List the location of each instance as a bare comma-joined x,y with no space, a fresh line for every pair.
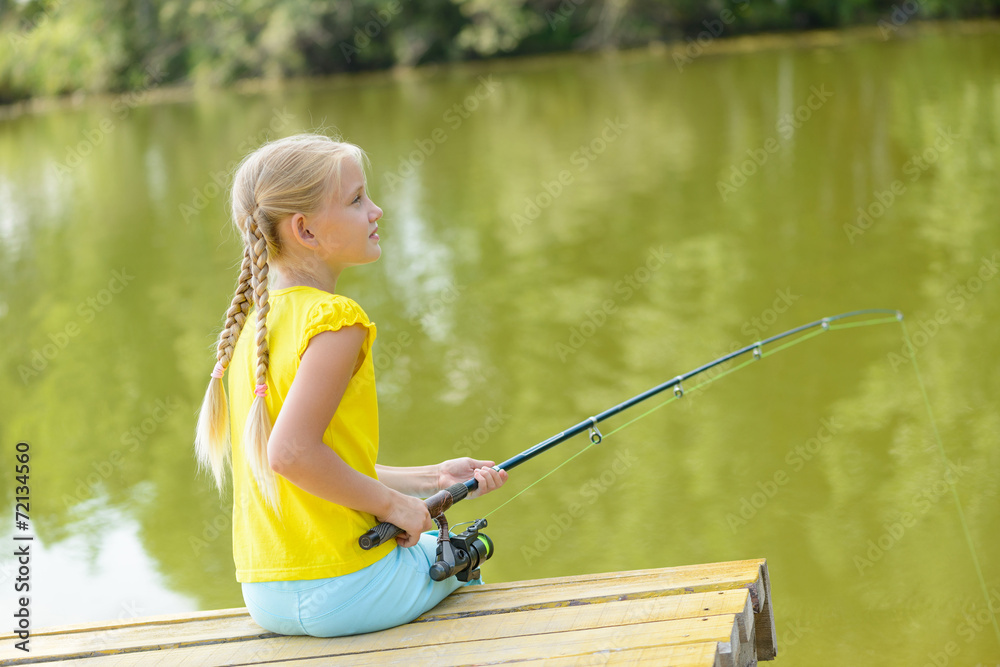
304,491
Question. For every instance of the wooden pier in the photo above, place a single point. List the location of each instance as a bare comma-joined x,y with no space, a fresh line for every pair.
718,614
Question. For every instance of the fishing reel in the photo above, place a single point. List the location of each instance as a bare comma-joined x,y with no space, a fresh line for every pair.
460,554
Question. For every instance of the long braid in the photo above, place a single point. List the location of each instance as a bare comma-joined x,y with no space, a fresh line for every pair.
237,314
212,441
259,269
258,425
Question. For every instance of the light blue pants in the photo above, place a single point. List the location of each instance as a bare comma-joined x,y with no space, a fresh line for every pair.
390,592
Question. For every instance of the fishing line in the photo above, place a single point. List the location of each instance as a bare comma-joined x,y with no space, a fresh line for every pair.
951,481
760,354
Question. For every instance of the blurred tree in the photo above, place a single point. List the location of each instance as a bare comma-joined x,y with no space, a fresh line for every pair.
59,47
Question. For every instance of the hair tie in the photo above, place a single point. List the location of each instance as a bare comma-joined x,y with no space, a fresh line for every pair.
261,390
219,370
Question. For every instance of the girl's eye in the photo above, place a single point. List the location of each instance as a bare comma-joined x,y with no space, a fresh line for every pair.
356,200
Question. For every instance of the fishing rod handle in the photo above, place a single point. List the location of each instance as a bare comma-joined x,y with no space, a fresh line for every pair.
437,505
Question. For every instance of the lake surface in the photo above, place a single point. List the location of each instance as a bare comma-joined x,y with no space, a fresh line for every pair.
559,235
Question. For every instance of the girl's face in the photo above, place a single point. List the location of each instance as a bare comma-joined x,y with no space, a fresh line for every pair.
345,228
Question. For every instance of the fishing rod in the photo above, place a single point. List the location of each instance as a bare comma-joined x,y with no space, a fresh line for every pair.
474,547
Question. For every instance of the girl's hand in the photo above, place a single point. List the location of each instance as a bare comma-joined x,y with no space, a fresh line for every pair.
411,515
454,471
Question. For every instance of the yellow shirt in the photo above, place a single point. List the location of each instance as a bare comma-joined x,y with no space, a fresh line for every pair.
316,538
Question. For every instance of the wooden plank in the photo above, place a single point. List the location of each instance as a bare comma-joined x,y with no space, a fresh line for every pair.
132,637
574,643
723,569
497,598
114,624
734,603
688,655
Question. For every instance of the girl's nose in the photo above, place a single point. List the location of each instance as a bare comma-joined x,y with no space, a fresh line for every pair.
377,213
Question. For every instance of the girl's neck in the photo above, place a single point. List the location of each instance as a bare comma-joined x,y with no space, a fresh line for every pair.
284,277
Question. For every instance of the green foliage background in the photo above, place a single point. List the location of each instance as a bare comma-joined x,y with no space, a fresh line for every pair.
62,46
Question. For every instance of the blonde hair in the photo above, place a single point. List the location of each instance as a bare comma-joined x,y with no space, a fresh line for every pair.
282,177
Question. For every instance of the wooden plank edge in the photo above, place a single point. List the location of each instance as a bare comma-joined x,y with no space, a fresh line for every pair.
114,624
764,628
746,621
751,564
392,655
729,650
754,587
79,655
628,656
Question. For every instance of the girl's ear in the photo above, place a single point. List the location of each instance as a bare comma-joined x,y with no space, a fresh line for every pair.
299,229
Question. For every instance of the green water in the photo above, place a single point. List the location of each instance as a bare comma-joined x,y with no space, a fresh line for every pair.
575,232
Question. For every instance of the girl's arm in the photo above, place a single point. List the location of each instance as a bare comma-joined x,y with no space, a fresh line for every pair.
420,481
423,481
296,450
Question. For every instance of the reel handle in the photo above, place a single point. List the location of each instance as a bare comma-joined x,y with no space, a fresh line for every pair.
436,506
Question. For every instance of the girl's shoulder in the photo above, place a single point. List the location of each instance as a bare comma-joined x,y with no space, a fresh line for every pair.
318,311
317,300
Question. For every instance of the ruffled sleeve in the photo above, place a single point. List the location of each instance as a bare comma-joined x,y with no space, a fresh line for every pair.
333,313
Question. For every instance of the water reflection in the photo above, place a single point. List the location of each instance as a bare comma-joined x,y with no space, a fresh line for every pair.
107,566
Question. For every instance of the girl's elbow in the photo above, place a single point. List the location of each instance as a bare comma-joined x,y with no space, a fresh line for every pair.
279,457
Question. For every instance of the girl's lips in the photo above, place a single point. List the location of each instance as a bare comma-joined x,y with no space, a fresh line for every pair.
374,235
